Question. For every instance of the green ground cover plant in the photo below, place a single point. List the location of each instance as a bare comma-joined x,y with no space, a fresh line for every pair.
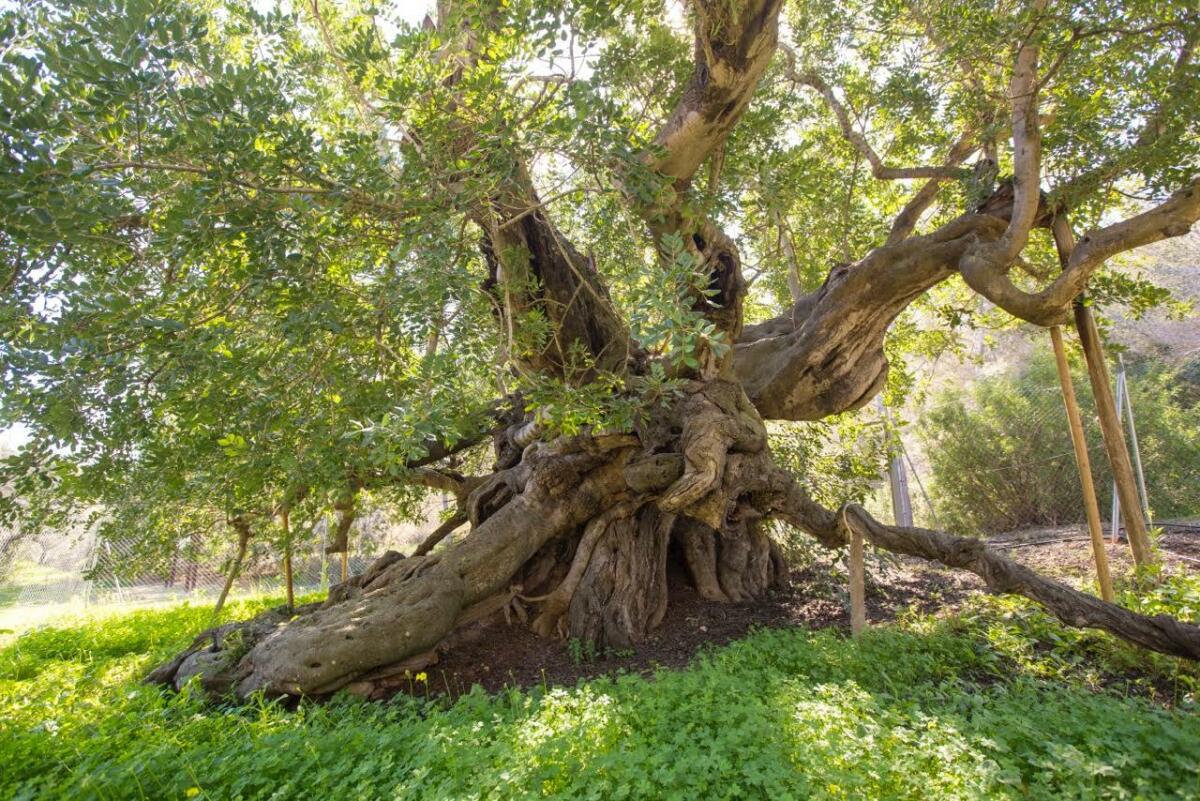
996,701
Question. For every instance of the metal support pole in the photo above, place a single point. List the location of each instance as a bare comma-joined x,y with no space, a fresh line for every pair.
1115,519
1133,440
897,475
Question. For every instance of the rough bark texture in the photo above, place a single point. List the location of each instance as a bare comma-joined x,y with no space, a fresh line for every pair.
579,529
582,540
573,535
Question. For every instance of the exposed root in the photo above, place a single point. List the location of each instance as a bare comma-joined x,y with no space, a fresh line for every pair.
570,541
554,605
717,418
622,596
699,545
401,608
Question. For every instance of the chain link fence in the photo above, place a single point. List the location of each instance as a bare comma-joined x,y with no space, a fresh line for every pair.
54,573
994,455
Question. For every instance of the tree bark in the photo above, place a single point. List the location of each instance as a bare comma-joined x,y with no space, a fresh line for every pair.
235,568
581,528
583,536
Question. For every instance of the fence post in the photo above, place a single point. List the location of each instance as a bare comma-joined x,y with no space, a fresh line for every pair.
1082,461
1115,518
897,476
1133,440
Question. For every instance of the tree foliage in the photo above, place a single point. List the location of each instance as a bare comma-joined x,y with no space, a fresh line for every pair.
262,257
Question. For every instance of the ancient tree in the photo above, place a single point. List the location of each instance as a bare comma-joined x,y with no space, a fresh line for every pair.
571,528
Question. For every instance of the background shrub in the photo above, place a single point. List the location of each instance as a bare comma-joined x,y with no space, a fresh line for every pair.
1000,454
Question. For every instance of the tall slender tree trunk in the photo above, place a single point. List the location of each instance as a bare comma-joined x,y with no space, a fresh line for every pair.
235,568
287,559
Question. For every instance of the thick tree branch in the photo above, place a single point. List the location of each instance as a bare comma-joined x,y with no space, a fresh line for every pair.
825,354
533,269
1051,305
734,45
1158,633
1174,217
1027,148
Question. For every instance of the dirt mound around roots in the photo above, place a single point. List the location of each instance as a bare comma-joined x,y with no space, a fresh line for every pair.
502,656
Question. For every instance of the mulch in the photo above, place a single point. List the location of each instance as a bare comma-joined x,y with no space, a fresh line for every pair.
501,656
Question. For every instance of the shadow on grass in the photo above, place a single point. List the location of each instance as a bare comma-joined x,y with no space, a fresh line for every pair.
781,714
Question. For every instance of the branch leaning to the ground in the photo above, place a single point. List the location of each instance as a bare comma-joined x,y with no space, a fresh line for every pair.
1160,633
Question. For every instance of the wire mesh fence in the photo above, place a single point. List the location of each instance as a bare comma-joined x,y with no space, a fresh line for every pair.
995,455
60,572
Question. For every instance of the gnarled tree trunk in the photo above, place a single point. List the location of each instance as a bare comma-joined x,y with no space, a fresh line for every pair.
572,535
580,549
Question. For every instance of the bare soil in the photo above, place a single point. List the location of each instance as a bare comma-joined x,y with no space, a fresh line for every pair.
501,656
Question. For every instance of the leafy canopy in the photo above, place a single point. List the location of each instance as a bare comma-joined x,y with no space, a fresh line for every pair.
237,256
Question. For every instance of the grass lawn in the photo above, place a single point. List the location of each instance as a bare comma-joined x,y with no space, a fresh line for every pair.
996,701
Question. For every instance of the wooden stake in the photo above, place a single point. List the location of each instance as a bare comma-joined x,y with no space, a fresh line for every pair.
345,565
1114,436
1106,411
1090,505
858,592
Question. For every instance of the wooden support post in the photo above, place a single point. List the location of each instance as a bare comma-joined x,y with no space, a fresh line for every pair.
858,592
1090,505
1110,425
1114,436
345,564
